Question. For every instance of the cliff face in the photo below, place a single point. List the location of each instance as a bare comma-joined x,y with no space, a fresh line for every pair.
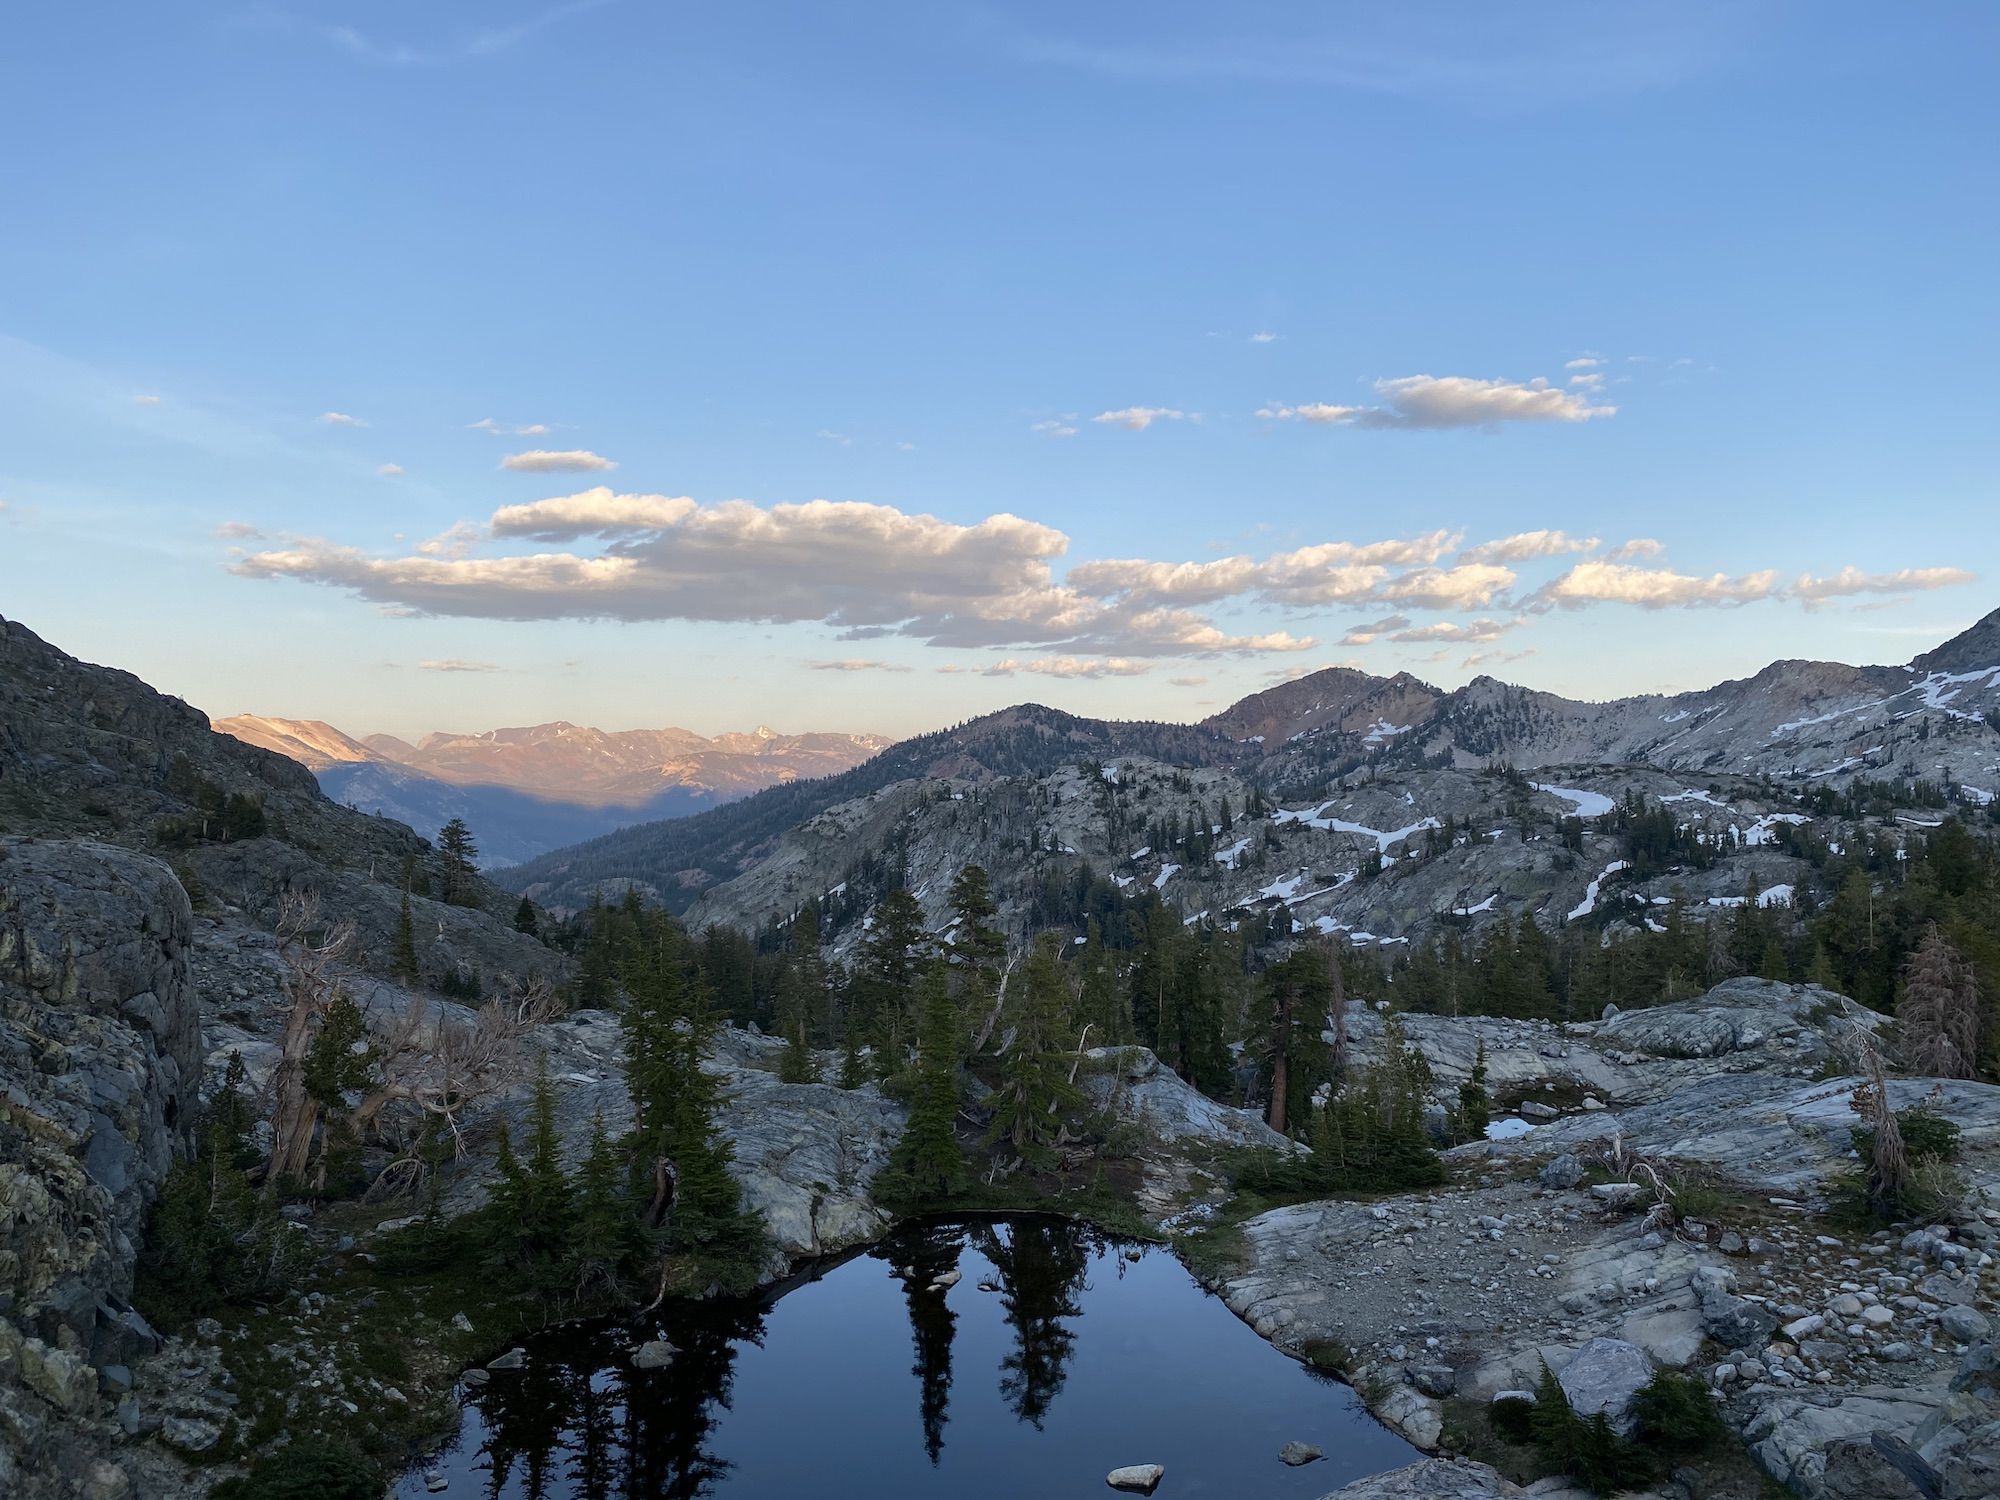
99,1065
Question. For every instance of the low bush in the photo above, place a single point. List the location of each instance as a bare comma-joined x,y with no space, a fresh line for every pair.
309,1468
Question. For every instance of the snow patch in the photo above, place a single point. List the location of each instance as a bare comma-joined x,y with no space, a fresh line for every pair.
1583,804
1589,902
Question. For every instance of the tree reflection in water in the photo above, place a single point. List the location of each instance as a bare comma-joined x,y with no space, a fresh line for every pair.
917,1257
824,1408
1042,1266
579,1421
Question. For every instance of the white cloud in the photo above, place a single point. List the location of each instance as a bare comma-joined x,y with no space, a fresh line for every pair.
835,437
1138,418
558,461
455,664
1493,658
858,664
390,471
1053,428
340,419
1849,581
1477,632
1467,586
1639,546
1262,337
1374,630
237,531
1524,546
145,400
869,570
1187,682
1584,362
1654,588
1325,573
1067,666
1444,401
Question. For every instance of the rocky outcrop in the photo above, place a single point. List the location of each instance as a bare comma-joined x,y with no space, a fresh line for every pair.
1433,1479
99,1066
1180,1132
804,1154
1854,1367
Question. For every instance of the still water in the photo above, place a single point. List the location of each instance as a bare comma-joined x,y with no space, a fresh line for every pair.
870,1380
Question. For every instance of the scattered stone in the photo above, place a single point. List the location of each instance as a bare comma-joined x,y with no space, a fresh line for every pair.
1966,1324
189,1434
944,1281
1144,1478
654,1354
1560,1172
1534,1109
435,1481
1298,1454
513,1359
1616,1192
1435,1380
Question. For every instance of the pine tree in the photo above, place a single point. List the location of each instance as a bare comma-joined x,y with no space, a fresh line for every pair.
675,1100
1034,1073
926,1163
883,983
458,863
403,961
607,1239
525,919
1475,1106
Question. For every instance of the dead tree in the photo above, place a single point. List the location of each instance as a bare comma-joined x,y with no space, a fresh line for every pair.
314,961
1937,1019
439,1064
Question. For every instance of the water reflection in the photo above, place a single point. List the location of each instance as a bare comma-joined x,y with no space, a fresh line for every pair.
809,1390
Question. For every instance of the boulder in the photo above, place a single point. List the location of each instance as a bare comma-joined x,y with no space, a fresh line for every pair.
654,1354
1604,1377
1296,1454
1143,1478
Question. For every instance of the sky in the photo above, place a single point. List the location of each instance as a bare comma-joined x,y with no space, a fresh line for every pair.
865,368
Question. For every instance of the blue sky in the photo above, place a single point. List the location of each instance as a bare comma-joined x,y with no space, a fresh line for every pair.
1326,325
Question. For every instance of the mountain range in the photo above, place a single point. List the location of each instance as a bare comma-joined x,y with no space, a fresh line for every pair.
532,789
1933,723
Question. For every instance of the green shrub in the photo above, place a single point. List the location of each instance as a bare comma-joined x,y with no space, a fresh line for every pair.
1677,1415
1585,1448
309,1468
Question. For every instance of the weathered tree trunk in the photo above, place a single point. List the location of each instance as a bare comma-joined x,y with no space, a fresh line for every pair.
1281,1060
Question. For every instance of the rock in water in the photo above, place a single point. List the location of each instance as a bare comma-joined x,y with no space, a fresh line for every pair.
945,1280
1143,1478
1296,1453
1604,1377
654,1354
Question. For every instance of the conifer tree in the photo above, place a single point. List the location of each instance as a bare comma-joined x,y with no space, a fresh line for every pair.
607,1240
1475,1105
458,862
1034,1073
883,982
926,1162
525,919
668,1027
403,959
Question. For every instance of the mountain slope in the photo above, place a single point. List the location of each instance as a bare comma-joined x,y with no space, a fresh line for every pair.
674,861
